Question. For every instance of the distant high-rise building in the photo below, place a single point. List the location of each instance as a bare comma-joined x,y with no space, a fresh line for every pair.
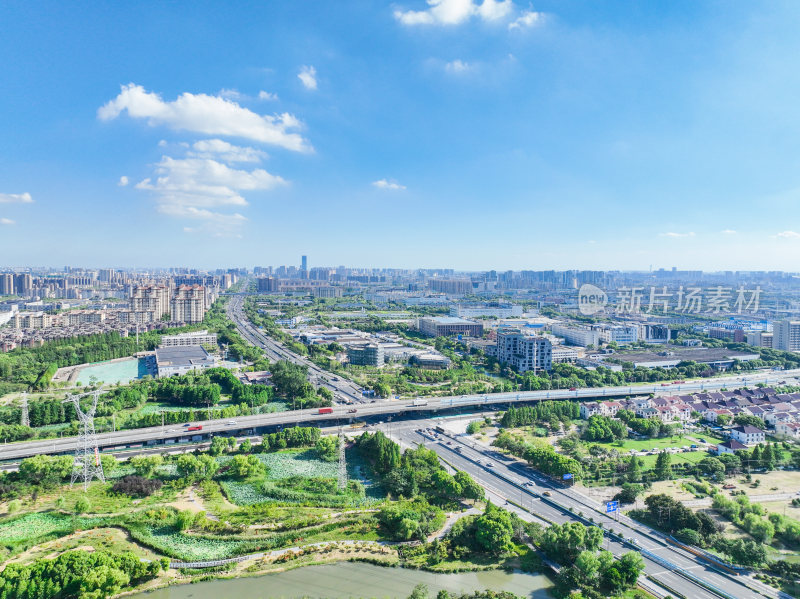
450,286
6,284
304,265
188,304
786,335
23,284
267,284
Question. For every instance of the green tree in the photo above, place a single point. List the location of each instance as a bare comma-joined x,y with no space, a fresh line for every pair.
469,488
663,469
146,465
493,530
712,467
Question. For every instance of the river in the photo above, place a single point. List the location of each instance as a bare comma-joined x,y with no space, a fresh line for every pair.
344,580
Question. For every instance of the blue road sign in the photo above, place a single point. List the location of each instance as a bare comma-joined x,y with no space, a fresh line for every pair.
612,506
567,476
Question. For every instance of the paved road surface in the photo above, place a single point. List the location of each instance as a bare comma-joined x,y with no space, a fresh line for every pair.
506,477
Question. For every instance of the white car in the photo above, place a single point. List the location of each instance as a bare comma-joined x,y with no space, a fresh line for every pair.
231,422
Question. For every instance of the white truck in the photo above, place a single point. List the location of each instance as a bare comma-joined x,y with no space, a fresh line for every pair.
420,402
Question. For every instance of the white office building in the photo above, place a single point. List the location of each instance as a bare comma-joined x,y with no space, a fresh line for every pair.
576,335
186,339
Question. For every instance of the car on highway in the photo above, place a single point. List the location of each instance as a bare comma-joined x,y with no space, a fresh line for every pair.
573,388
547,494
489,465
231,422
527,483
353,411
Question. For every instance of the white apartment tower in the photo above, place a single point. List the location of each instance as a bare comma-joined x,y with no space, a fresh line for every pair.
786,335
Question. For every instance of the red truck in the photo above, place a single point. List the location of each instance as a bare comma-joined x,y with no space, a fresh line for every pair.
195,428
325,411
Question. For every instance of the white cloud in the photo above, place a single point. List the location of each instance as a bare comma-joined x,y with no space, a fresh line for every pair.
455,12
262,95
385,184
6,221
728,232
527,19
198,188
123,181
230,94
217,148
308,75
457,66
671,234
492,10
209,115
788,234
16,198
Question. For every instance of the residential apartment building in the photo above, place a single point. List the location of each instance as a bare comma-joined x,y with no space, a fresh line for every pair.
760,339
786,335
150,298
6,284
188,304
524,352
749,435
31,320
450,286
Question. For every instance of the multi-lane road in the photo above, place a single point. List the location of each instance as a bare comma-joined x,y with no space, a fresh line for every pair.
344,390
350,399
674,568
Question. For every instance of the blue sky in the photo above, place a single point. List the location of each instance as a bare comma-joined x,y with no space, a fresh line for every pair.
472,134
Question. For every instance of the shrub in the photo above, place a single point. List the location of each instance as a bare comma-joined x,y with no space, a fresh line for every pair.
136,486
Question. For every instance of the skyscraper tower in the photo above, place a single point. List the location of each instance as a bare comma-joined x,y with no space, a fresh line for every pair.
304,263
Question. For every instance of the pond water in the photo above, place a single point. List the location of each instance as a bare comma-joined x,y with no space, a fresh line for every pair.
121,371
354,579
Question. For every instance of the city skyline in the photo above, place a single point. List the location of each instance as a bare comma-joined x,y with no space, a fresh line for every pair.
479,136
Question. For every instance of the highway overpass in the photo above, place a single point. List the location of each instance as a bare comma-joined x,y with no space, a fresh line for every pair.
380,409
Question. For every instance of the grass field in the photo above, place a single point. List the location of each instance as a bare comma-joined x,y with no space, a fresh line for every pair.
663,443
691,457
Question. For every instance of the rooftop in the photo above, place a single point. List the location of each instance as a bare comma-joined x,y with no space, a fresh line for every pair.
449,320
185,354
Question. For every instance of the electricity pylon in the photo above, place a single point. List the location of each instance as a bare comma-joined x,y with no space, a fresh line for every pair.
342,462
87,464
24,419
